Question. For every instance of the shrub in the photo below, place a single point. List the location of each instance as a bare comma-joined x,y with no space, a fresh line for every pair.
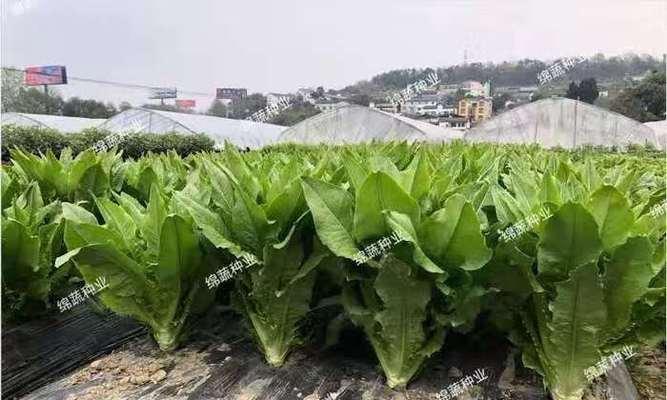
33,140
39,140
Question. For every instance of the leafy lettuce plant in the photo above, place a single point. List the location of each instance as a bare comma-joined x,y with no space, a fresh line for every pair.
586,284
12,186
152,259
405,300
262,215
67,178
167,171
31,240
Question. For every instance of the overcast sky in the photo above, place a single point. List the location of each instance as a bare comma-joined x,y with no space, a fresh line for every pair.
279,46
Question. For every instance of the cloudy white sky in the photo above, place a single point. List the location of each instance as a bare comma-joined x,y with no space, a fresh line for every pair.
278,46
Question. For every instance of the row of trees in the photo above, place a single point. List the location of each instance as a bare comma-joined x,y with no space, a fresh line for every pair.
19,98
241,109
520,73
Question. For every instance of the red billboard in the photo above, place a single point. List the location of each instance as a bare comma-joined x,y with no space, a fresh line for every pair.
45,75
186,103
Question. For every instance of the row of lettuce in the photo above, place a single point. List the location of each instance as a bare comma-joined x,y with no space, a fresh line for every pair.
572,286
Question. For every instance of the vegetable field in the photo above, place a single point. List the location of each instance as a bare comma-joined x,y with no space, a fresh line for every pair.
560,253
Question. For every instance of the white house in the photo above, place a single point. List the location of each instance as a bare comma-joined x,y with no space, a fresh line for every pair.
416,104
274,98
428,104
305,94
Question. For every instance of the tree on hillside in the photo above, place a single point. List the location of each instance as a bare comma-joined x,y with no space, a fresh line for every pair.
629,104
651,91
318,93
245,107
645,102
521,73
217,109
295,113
586,91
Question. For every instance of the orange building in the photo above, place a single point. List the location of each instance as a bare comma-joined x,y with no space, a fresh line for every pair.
475,108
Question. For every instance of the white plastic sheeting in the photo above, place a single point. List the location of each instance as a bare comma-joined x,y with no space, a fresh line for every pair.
562,122
241,133
356,124
57,122
660,130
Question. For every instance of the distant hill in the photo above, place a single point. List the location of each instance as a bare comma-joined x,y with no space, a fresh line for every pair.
521,73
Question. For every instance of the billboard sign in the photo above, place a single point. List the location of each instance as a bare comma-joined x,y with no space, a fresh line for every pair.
45,75
162,93
230,93
186,103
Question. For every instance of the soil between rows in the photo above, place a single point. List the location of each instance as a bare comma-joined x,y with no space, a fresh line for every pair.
220,361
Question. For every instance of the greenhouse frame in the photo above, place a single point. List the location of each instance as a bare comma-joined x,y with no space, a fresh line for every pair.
660,130
357,124
241,133
57,122
562,122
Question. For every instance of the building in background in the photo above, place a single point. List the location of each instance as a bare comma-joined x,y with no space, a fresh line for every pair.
458,123
386,107
274,98
475,88
415,105
475,109
230,94
448,89
518,94
306,94
439,109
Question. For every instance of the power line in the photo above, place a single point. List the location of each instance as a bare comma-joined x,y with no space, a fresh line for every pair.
103,82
